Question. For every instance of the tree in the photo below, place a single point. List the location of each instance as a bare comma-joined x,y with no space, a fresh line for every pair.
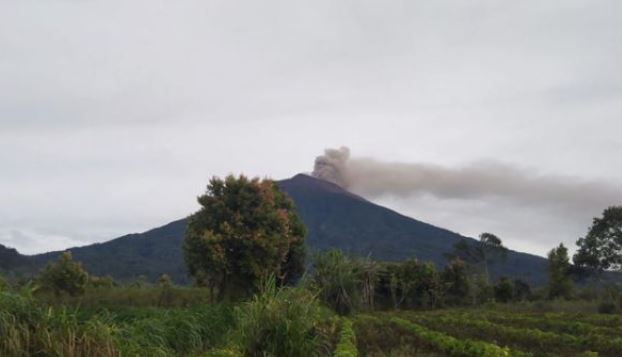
504,290
483,252
64,276
522,290
245,230
601,248
560,284
456,281
481,292
412,283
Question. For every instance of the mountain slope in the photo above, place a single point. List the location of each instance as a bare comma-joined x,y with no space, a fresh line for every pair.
334,217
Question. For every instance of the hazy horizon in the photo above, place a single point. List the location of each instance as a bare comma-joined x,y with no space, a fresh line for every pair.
114,114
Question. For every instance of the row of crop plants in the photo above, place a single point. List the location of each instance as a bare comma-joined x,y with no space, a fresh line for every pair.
531,339
558,325
385,333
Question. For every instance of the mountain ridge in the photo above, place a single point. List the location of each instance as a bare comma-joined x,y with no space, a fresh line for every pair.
335,218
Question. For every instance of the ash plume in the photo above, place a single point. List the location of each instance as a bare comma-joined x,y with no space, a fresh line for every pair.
476,181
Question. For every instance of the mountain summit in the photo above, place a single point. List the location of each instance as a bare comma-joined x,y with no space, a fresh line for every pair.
335,218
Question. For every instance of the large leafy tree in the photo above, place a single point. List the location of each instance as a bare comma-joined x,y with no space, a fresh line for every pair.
64,276
560,284
412,283
246,230
601,248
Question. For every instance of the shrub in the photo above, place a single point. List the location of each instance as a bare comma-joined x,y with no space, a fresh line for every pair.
607,307
279,322
101,282
504,290
337,279
64,276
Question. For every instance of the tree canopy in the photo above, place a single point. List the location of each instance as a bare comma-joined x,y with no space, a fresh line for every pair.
488,248
601,248
560,284
64,276
245,230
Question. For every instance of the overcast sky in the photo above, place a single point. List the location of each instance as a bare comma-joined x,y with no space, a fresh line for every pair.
114,114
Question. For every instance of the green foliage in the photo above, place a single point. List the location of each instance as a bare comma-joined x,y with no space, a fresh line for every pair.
30,329
482,292
64,276
339,278
346,347
487,250
105,282
165,281
279,322
522,290
607,307
245,230
412,284
223,353
3,283
456,281
504,290
450,345
133,297
601,248
560,284
535,333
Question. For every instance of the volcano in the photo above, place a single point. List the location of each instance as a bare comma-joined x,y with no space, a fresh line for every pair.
335,218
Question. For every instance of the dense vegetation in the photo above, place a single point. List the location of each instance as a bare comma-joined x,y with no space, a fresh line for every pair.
251,300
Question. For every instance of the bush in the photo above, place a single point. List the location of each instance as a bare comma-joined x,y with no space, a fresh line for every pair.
607,307
64,276
279,322
504,290
338,281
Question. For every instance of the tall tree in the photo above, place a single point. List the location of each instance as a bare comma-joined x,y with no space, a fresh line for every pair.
601,248
456,281
246,230
560,284
488,249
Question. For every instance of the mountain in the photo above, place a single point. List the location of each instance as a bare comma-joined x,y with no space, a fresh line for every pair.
335,218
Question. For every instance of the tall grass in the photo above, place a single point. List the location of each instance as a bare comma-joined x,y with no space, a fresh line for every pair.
28,328
282,322
132,296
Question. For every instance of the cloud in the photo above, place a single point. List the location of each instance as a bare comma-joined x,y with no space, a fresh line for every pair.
32,242
490,187
114,114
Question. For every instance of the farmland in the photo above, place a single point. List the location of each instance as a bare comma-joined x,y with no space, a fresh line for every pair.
481,332
290,322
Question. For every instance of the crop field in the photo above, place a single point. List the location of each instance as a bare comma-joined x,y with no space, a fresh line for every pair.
273,325
481,332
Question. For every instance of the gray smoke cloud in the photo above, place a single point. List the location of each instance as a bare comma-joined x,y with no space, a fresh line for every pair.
479,181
